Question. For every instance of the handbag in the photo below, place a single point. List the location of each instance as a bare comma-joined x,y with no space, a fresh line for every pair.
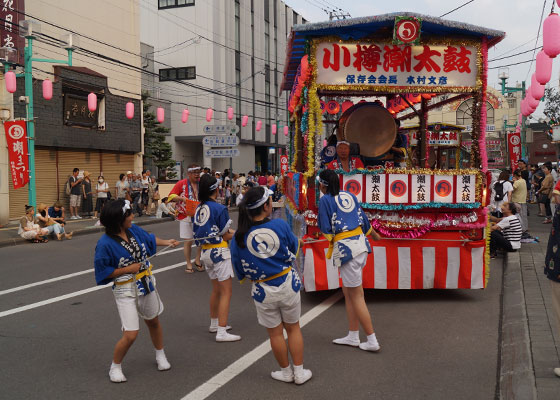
155,196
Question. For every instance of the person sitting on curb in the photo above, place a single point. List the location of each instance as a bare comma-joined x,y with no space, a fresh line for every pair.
50,224
165,210
506,232
56,212
29,229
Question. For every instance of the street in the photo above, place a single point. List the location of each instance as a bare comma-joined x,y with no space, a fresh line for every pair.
436,344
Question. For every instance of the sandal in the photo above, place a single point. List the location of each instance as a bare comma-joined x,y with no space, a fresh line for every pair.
189,270
199,267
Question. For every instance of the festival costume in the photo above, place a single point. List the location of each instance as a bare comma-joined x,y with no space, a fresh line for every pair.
184,188
353,163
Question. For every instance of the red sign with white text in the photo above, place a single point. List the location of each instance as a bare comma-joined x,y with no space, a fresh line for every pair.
16,137
514,148
283,164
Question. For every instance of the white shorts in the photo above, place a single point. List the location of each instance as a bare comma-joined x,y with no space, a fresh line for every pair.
351,271
271,315
221,271
186,228
126,306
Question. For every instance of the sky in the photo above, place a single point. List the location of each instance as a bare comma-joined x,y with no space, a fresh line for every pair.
519,19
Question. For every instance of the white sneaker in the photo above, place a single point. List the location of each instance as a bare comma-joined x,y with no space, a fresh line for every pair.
281,376
214,329
227,337
162,363
302,377
557,372
367,346
73,217
347,341
78,217
116,375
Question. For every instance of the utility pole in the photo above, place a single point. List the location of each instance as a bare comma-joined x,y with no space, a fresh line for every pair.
338,14
503,75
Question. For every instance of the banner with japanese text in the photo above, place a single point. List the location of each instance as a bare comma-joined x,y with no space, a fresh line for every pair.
11,13
385,65
514,148
16,138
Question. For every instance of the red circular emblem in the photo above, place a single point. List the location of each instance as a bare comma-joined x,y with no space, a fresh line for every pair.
353,186
407,31
398,188
443,188
333,107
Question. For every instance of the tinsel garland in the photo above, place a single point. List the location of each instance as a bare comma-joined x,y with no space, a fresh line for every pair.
487,253
482,122
294,151
408,234
393,207
315,123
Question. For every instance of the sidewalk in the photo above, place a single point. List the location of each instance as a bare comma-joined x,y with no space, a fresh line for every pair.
9,236
530,340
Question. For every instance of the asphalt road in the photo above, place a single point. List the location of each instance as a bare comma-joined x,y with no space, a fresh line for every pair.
439,344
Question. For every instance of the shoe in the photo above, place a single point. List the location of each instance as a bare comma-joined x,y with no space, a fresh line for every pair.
281,376
227,337
367,346
347,341
557,372
58,236
547,221
162,364
199,267
116,375
214,329
73,217
302,377
78,217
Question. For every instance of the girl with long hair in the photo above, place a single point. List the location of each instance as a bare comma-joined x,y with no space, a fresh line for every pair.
344,223
211,231
263,251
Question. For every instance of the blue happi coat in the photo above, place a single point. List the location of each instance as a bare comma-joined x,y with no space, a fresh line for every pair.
110,255
271,247
211,221
343,213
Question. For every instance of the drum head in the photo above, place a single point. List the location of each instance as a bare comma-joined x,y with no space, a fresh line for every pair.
369,125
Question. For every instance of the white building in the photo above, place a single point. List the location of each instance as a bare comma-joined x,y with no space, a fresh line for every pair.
218,54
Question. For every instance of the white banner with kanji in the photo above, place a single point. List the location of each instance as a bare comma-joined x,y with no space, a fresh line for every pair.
375,188
421,188
466,188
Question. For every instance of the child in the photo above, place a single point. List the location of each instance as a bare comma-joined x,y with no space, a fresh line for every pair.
263,251
211,219
344,224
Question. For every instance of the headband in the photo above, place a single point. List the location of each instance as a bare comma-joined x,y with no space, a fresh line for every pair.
214,186
193,169
126,206
342,142
322,181
262,200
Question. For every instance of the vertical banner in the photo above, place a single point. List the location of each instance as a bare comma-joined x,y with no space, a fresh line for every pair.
466,188
421,185
398,188
443,189
16,137
514,148
353,184
11,12
283,165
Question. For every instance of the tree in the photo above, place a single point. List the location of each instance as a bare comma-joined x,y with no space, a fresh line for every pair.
552,105
155,146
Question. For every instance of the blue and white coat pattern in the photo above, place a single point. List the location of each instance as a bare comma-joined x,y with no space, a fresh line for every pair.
343,213
211,221
271,247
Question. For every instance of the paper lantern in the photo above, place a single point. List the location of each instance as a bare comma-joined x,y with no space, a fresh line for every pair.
160,112
92,102
185,115
230,113
520,119
273,129
244,120
209,113
537,90
47,89
129,110
259,126
531,101
551,35
543,68
346,105
10,78
286,130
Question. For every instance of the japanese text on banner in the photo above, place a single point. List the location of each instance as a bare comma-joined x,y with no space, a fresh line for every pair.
16,138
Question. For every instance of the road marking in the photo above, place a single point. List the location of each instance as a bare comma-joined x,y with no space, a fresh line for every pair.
75,294
62,277
217,381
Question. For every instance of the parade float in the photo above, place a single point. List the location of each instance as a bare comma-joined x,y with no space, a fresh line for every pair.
355,78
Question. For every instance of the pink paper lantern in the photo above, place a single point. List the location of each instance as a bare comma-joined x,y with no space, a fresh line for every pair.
47,89
551,35
185,115
160,113
92,102
230,113
531,101
286,130
130,110
543,68
259,126
520,119
244,120
537,90
209,113
10,78
274,129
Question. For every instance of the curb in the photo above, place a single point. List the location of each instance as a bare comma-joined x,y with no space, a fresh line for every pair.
83,231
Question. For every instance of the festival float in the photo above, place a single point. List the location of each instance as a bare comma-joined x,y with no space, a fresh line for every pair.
431,212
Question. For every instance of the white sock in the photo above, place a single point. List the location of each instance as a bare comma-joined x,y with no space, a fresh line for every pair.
354,335
213,322
160,354
298,369
372,339
287,371
117,366
222,330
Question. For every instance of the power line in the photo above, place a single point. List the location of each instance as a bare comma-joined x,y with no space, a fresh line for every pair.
536,41
509,65
455,9
516,54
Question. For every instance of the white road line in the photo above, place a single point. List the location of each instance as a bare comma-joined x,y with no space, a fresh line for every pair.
62,277
74,294
217,381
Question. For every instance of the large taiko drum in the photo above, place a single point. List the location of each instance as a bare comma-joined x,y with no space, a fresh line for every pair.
369,125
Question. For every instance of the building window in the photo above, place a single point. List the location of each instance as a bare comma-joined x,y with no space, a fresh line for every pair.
163,4
465,112
512,103
173,74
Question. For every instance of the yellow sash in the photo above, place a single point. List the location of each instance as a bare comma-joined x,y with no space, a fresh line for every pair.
340,236
139,275
223,243
279,274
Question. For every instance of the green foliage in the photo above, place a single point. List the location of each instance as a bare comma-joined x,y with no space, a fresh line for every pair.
552,105
155,146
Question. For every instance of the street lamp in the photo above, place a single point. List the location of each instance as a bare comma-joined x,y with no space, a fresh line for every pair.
503,75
